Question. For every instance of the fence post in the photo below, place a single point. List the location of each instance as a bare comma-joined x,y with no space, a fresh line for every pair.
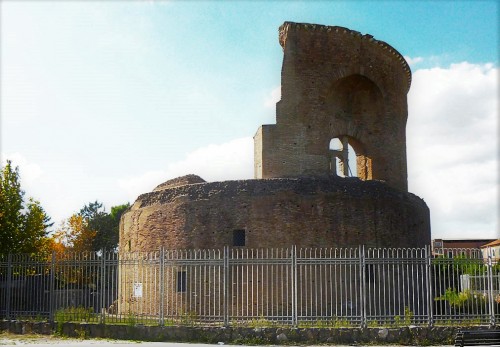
9,285
294,286
362,265
430,294
490,288
162,286
226,286
51,287
103,290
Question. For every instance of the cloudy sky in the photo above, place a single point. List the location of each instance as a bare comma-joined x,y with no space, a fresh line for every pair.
106,99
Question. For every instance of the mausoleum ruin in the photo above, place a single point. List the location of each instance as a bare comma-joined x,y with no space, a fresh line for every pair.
331,172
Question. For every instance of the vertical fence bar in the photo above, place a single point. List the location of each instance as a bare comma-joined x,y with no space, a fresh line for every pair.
490,288
430,294
162,287
103,284
362,272
293,272
9,286
51,286
225,272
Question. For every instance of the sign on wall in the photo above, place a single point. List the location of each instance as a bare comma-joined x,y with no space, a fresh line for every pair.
137,290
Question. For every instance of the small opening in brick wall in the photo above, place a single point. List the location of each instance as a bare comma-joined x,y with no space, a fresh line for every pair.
181,281
239,237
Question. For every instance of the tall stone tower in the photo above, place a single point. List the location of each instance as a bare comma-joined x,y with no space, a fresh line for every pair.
337,84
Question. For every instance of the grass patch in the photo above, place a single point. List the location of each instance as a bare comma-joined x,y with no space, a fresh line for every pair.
76,314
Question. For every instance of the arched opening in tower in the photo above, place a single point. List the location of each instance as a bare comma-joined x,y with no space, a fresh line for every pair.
356,107
356,98
348,158
343,158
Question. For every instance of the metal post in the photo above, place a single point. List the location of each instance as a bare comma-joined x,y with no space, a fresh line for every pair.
430,294
294,287
51,287
490,288
226,285
362,265
9,285
162,286
103,289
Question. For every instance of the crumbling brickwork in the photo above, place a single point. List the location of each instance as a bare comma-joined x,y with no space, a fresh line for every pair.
337,82
309,212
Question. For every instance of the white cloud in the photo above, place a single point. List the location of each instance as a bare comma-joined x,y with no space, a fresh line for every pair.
29,172
452,148
273,97
428,62
232,160
413,61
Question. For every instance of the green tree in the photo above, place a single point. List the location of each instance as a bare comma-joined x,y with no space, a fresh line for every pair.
36,224
23,227
116,214
105,225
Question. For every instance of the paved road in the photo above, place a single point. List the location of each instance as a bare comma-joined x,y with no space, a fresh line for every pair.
50,341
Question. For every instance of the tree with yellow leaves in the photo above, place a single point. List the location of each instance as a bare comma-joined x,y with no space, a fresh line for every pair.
75,235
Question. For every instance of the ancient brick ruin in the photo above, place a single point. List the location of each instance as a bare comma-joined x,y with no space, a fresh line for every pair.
342,92
337,84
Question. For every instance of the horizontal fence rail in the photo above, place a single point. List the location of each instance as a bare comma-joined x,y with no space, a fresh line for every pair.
340,287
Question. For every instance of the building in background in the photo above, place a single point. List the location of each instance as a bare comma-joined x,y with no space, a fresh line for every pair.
451,247
492,249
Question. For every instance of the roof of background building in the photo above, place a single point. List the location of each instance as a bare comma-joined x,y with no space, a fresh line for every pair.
492,244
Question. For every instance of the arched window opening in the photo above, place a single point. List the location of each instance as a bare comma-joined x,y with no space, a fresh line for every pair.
343,160
356,98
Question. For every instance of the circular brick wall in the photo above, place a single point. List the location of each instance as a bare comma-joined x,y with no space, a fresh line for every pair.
306,212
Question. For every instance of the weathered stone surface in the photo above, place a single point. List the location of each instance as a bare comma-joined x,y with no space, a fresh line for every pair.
179,181
336,82
382,333
404,335
310,212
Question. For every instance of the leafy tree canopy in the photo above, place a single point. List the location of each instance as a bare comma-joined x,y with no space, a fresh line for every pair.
91,229
106,225
75,235
23,226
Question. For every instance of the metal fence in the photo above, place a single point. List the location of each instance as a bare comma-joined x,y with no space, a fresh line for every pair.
232,286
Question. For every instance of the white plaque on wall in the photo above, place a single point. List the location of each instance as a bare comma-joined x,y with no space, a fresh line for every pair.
138,290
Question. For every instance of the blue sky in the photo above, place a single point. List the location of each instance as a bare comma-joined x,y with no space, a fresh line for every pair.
106,99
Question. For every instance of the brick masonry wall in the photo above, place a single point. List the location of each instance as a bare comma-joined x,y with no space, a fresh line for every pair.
311,212
308,212
337,82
